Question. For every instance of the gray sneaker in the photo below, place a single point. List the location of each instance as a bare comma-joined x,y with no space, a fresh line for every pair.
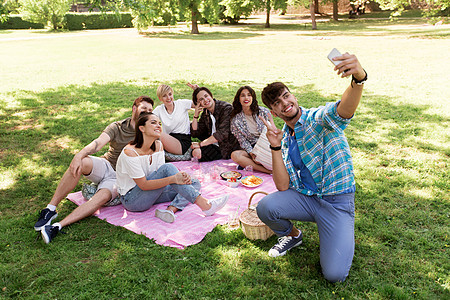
284,244
166,215
216,205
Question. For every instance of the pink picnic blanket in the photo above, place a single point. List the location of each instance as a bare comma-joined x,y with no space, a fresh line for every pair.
190,226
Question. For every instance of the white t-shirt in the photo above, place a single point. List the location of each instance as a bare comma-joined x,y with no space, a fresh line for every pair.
129,167
213,129
178,120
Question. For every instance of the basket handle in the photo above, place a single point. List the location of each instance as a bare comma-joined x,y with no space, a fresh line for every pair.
251,197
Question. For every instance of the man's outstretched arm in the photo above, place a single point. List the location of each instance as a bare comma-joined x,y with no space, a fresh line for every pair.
350,99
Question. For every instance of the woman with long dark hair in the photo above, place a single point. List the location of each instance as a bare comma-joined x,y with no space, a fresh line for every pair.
144,179
247,127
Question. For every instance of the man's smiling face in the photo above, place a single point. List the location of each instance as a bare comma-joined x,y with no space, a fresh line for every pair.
286,107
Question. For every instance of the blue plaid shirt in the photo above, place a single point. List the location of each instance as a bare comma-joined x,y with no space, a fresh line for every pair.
323,149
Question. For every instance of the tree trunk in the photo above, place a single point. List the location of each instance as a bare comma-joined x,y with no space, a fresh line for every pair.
335,10
313,16
267,14
316,6
194,29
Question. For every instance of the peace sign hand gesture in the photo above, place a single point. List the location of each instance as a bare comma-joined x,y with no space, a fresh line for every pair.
274,135
192,86
198,108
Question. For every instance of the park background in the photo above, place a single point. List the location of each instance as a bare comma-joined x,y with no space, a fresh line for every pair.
59,89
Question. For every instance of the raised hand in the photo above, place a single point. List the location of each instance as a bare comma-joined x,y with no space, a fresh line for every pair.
198,108
274,135
192,86
349,66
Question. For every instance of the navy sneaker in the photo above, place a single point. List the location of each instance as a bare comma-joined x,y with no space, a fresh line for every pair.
284,244
45,218
49,232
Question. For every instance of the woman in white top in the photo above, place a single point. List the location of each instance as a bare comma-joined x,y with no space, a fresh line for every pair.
144,179
174,116
247,127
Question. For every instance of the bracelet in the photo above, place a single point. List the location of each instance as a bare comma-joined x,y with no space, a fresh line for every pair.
275,148
199,144
195,117
359,82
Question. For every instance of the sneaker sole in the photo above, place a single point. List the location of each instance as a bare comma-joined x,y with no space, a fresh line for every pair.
48,223
45,237
284,253
165,216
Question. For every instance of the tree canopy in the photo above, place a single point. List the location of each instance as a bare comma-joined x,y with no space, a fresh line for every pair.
47,12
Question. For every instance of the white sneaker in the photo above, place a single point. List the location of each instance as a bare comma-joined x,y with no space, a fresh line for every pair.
166,215
216,205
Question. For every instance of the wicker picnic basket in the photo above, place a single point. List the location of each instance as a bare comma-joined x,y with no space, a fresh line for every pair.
252,226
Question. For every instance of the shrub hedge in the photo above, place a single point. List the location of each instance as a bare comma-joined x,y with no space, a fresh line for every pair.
97,20
16,22
76,21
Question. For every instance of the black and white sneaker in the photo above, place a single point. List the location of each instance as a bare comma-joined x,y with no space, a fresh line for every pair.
284,244
45,218
49,232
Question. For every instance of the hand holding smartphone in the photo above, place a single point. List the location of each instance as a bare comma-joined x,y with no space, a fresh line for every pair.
334,53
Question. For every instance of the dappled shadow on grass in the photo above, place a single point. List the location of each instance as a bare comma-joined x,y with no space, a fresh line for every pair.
400,229
49,127
202,36
41,133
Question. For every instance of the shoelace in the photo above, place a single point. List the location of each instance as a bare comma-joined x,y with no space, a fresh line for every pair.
53,231
282,241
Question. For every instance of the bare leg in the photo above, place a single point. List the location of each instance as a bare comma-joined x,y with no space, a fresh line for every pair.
202,203
69,182
172,208
243,159
171,144
88,208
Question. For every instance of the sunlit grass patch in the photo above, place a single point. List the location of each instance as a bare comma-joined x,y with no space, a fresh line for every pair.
59,93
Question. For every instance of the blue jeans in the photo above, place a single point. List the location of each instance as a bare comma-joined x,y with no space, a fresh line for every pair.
335,218
179,195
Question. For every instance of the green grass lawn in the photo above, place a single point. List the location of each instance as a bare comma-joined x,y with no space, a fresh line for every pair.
59,90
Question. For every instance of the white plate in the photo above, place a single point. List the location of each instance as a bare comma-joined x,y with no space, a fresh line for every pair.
251,186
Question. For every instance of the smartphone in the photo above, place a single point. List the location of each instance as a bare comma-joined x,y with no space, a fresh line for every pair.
335,52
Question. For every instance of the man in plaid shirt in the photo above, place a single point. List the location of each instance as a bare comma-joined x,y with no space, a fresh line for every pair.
313,171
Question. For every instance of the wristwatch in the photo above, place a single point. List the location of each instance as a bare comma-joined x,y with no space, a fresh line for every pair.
360,82
274,148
